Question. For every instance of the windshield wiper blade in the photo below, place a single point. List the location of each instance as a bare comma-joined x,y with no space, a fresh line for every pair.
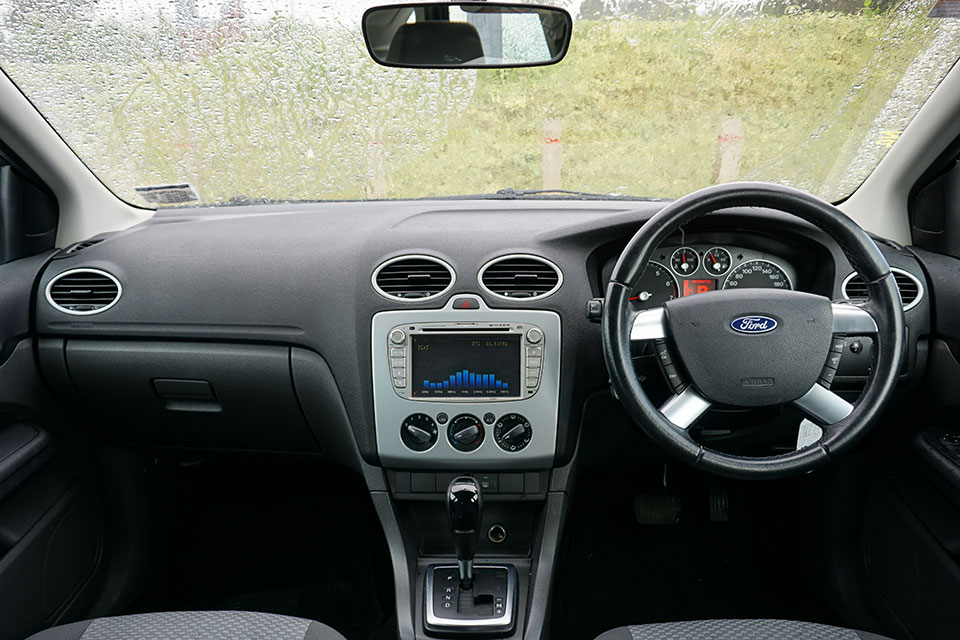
510,192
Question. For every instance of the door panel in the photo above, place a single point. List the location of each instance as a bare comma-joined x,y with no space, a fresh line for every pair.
51,524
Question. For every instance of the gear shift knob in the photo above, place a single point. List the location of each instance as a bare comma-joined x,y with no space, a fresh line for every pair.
464,506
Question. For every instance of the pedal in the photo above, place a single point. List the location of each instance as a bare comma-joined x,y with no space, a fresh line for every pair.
719,503
657,509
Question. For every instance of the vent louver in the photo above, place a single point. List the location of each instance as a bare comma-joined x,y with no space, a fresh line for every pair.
83,291
911,291
413,278
80,246
520,276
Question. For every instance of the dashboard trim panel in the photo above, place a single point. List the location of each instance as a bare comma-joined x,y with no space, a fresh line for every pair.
541,409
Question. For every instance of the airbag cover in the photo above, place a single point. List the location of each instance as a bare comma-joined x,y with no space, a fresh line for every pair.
751,347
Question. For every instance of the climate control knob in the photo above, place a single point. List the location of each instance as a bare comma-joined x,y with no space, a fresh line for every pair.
465,432
418,432
512,432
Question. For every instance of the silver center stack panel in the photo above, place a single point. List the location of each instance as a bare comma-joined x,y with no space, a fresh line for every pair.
538,403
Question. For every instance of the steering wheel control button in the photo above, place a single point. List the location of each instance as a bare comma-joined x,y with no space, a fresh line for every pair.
663,352
512,432
833,359
534,336
827,376
837,345
489,418
465,432
398,336
419,432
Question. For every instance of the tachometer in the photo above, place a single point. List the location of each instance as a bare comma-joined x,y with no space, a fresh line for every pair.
758,274
656,286
685,261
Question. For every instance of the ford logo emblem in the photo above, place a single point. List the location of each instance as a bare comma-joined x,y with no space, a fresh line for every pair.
753,324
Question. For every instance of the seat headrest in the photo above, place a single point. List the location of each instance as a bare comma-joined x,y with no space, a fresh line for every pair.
435,42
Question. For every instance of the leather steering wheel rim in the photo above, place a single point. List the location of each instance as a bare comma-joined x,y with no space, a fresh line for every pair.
883,306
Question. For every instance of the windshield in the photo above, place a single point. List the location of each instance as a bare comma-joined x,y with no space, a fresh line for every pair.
233,101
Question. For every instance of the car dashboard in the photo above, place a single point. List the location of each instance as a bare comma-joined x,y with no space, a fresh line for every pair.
308,328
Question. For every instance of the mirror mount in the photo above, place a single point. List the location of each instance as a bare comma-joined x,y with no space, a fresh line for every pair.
466,35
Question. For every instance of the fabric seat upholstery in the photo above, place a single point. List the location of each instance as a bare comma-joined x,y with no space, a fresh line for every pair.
193,625
737,630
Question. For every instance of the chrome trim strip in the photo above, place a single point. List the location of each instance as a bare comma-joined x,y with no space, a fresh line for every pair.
530,256
915,279
650,324
684,409
502,621
100,272
413,256
823,405
852,319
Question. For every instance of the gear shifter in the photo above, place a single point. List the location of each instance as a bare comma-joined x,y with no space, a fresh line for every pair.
465,506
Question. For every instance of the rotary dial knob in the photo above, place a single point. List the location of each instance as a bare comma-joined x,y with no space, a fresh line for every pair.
512,432
465,432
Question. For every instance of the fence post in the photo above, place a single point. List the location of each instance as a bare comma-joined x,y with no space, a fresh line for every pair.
552,160
376,188
729,148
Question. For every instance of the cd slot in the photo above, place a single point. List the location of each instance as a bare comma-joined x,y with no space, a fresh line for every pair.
463,329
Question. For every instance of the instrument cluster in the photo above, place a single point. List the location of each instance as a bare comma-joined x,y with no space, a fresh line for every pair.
697,268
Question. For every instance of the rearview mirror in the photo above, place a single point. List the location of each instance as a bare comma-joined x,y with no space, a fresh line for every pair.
466,35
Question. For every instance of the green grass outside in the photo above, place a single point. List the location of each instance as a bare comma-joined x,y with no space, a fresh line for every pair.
639,101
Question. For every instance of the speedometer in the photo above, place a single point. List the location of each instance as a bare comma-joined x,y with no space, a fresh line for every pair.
758,274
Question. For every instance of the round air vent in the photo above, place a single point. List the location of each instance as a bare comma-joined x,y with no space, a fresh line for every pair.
911,291
413,278
81,292
520,276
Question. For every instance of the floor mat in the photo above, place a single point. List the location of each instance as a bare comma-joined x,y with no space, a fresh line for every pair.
283,536
616,572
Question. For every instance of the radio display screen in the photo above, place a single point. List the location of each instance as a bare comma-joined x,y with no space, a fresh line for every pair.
465,366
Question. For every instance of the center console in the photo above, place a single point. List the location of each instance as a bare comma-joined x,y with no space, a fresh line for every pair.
466,386
466,409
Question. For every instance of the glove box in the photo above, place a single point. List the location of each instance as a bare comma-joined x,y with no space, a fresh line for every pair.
190,395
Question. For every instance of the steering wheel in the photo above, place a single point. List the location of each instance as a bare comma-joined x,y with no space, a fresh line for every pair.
772,343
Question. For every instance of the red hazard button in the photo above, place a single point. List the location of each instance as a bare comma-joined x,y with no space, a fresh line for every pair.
466,303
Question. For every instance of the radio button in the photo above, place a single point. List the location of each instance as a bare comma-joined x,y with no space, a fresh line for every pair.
397,336
533,362
400,383
534,336
534,352
398,362
398,352
531,381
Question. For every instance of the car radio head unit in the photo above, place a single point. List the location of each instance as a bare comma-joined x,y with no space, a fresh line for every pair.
465,361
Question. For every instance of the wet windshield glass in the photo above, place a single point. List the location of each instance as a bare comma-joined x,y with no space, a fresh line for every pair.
244,101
